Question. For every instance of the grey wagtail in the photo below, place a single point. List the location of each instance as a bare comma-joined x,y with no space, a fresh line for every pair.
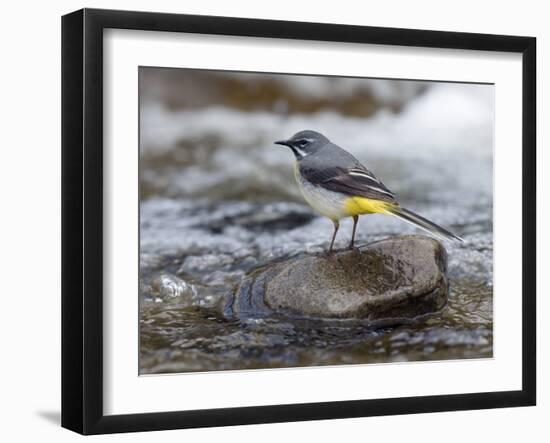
337,185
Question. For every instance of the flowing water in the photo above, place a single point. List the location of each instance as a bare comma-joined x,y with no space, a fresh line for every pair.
219,200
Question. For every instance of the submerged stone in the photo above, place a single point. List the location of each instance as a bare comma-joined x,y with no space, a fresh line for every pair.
391,280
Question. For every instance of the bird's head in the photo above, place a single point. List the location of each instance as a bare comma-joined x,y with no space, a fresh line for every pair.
304,143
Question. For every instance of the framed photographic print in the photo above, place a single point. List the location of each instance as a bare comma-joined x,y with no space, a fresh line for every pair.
269,221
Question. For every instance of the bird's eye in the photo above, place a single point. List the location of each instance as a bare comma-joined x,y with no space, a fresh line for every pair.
303,143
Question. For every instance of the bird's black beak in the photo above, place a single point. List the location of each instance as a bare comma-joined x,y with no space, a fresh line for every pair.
282,142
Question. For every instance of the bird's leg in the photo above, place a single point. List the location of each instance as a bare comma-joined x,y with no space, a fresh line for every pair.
355,219
336,226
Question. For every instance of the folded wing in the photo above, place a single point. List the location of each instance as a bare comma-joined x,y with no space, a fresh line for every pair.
353,181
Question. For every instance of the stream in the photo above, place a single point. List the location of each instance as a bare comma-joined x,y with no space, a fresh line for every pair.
218,200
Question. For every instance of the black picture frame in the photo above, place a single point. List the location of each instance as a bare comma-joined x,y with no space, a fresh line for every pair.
82,220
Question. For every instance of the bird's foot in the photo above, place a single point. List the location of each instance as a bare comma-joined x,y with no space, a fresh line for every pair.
327,253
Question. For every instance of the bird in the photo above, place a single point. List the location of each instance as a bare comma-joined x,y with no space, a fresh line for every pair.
336,185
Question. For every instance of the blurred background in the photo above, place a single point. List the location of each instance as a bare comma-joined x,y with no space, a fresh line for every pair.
218,199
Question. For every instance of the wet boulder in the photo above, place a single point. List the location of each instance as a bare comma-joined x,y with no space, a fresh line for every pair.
391,280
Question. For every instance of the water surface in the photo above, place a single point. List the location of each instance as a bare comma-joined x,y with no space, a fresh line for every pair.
219,200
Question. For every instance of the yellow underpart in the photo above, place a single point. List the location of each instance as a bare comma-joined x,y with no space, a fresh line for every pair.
362,205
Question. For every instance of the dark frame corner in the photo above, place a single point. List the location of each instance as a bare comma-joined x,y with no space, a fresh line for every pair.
82,152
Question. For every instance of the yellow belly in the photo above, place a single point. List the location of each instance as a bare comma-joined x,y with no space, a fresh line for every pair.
362,205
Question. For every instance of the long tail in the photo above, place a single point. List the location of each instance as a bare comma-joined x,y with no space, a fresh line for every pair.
421,222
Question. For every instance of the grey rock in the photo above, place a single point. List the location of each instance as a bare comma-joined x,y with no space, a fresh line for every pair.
391,280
